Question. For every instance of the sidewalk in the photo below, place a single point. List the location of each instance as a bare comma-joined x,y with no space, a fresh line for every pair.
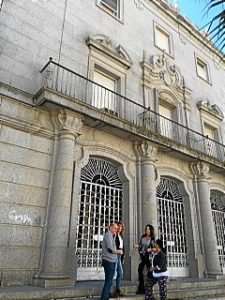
84,289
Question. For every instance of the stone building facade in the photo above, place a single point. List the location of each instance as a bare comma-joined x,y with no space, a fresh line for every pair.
124,121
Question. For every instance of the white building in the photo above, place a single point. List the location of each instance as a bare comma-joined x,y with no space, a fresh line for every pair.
125,121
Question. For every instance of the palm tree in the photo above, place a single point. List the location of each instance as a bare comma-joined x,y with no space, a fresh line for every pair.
216,26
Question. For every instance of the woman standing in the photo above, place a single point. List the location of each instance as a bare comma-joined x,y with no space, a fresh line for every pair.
119,260
145,254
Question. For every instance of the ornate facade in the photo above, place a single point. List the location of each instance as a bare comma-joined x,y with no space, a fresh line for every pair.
124,121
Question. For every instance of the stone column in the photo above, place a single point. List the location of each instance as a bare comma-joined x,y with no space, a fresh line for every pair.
147,185
209,241
54,264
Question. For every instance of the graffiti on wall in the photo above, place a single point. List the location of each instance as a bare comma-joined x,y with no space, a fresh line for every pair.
20,218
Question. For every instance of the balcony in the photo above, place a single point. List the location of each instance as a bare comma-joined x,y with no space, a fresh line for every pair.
124,117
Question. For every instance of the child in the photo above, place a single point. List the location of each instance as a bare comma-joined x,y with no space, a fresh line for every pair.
160,273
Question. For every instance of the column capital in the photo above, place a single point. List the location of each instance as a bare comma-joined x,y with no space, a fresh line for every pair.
200,170
67,122
146,151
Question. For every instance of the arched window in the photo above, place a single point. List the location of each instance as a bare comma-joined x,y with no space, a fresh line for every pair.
100,203
217,200
171,225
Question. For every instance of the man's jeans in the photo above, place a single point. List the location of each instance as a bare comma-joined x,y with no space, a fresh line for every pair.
109,268
119,271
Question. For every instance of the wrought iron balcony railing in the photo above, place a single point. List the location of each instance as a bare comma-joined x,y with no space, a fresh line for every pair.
73,85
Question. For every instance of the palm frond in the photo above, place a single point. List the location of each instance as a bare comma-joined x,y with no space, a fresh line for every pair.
215,28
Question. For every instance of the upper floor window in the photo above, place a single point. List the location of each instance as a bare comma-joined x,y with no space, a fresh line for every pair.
202,69
113,7
211,134
104,96
167,114
108,69
163,40
211,118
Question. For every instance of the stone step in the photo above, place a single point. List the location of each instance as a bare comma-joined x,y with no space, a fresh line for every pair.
210,298
193,293
194,283
177,290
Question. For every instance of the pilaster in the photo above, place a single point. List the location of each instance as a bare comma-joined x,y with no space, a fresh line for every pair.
147,206
54,269
200,171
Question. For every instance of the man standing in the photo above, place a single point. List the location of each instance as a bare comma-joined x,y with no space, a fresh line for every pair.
109,255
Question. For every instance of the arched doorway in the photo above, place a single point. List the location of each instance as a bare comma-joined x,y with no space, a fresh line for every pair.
171,226
100,203
217,200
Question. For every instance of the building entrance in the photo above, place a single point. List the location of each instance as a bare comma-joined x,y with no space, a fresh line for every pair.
171,226
218,211
100,203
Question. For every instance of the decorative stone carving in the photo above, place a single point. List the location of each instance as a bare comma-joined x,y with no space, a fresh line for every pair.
139,4
146,150
168,72
105,45
168,97
200,169
214,109
164,77
67,122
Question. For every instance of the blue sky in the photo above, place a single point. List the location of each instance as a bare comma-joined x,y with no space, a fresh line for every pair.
195,11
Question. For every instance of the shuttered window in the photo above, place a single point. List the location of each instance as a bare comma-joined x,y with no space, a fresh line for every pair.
202,69
103,96
162,40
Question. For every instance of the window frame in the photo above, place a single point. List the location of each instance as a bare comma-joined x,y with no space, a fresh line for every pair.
199,62
109,10
163,31
111,60
166,124
212,121
111,103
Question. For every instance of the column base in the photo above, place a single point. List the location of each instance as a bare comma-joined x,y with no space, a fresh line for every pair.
216,276
53,280
135,260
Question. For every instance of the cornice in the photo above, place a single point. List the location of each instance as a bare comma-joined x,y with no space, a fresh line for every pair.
25,117
174,14
26,127
213,110
105,45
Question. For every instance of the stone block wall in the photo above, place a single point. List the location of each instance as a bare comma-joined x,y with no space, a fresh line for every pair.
25,163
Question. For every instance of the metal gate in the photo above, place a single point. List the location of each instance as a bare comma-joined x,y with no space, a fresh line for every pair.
171,227
100,203
218,211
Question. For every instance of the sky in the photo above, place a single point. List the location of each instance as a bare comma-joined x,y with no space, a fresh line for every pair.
195,11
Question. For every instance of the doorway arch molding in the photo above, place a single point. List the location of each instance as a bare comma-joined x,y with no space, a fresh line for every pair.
185,184
126,171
